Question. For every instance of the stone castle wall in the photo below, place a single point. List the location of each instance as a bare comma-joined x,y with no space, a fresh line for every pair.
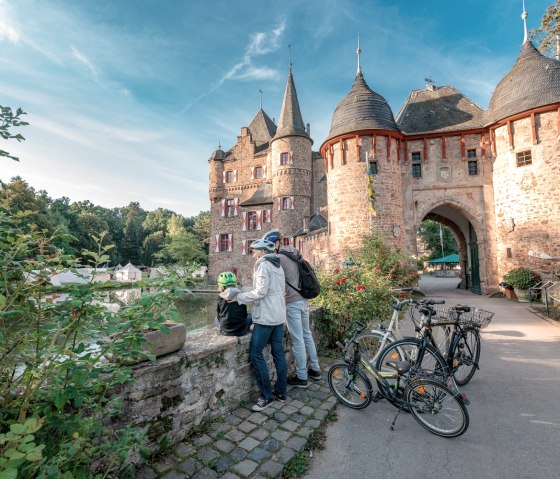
527,198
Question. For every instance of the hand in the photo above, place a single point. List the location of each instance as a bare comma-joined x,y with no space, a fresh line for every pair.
233,300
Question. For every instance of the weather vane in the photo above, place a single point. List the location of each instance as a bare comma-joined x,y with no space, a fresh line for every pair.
260,91
429,80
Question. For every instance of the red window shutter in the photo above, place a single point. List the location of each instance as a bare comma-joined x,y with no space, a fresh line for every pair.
291,158
244,247
243,221
264,171
279,203
259,219
252,172
234,175
268,216
235,206
223,176
292,242
223,207
230,242
292,202
217,250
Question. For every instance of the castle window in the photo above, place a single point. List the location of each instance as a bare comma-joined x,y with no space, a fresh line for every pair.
252,220
285,241
471,154
285,158
372,169
416,156
230,176
258,172
417,169
225,242
286,203
473,167
230,207
524,158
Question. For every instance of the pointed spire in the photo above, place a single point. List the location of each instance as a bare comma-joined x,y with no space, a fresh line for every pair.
524,16
260,91
290,122
358,51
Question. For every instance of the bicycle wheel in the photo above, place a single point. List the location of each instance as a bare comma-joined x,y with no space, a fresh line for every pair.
352,390
465,359
436,408
409,349
370,345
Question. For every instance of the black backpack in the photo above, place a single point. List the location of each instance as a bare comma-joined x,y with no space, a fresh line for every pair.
309,286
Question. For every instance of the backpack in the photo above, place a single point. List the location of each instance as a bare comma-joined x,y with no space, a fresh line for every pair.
309,287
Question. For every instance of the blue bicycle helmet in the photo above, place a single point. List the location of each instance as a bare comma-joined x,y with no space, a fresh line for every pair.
272,236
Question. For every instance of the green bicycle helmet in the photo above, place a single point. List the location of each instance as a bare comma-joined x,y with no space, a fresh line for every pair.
227,279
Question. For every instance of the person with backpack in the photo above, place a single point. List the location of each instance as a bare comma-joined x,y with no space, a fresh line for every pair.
301,285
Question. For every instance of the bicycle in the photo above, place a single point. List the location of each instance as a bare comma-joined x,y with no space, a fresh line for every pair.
433,405
460,351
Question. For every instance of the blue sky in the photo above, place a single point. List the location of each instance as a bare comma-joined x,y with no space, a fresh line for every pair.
127,99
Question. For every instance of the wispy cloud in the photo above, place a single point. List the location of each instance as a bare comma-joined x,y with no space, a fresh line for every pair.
7,29
81,58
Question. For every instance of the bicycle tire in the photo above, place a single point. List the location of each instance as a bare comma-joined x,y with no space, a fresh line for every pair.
354,392
436,407
370,344
407,350
464,363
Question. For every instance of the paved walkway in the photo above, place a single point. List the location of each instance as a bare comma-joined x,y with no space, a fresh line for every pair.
249,444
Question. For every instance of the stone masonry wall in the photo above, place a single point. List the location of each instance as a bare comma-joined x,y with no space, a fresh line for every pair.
527,198
206,379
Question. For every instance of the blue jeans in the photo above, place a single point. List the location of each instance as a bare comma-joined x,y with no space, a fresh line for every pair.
302,339
273,335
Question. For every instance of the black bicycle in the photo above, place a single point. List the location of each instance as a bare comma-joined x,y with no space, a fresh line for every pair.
433,405
456,347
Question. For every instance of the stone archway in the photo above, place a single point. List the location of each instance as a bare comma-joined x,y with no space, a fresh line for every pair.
456,216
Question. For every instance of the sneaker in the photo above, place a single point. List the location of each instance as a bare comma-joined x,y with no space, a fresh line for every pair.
262,404
280,397
312,374
297,382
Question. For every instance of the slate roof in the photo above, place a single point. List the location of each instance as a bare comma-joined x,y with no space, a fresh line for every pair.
533,81
262,196
218,155
290,123
316,222
262,128
439,109
361,109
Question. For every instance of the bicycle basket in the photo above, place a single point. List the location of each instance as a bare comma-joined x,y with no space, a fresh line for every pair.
476,318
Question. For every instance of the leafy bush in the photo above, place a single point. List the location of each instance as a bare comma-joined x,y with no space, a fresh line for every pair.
522,278
58,392
361,291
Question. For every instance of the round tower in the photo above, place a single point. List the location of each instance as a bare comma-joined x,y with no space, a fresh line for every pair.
216,183
291,165
361,153
523,118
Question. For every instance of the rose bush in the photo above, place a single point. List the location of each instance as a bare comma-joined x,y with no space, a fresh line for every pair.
522,278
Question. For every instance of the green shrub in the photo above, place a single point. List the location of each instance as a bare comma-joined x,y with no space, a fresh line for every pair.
522,278
58,392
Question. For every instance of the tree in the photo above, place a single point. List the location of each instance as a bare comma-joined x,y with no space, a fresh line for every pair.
202,228
133,233
184,249
9,120
547,34
429,233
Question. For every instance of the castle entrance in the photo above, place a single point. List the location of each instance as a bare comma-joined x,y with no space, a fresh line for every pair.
453,218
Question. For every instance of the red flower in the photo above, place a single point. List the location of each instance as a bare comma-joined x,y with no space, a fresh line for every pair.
341,280
360,287
337,270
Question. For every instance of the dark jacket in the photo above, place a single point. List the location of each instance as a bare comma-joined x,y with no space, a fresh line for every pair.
232,317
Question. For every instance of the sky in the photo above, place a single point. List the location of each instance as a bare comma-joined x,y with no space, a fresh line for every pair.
127,99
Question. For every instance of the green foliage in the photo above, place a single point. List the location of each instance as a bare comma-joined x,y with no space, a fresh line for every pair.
547,32
429,233
522,278
59,393
9,120
361,292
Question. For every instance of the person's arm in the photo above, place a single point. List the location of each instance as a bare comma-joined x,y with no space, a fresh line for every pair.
261,287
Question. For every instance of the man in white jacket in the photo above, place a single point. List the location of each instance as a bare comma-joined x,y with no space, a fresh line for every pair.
269,316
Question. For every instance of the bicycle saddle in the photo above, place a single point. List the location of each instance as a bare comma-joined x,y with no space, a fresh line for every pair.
402,367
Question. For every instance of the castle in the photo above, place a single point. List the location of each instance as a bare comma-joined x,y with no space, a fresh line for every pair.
491,176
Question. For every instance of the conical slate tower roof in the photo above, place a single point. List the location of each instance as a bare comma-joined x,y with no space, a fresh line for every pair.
533,81
362,109
262,128
291,123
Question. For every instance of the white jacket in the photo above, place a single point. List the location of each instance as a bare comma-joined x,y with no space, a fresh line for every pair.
267,295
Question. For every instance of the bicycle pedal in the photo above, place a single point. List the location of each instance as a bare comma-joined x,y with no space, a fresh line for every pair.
465,399
377,396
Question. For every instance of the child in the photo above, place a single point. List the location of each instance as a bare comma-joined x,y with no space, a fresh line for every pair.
231,318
